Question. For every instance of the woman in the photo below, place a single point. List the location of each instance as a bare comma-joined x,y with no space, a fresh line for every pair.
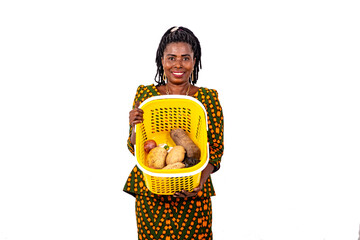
185,215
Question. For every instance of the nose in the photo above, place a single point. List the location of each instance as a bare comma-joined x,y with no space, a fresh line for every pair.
178,63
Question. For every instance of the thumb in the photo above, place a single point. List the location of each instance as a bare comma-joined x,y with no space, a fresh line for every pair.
137,104
199,187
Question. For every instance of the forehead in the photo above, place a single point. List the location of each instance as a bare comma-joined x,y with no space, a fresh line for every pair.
178,48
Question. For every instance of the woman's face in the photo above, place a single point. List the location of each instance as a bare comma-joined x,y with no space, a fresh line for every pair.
178,62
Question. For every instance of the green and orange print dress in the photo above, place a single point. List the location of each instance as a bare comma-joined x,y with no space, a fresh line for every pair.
166,217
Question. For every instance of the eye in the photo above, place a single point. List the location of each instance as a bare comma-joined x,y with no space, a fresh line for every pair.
171,58
186,58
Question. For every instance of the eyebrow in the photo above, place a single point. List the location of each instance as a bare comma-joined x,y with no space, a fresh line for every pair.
184,55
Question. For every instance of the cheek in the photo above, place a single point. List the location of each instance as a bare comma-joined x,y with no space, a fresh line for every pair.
166,65
190,65
166,68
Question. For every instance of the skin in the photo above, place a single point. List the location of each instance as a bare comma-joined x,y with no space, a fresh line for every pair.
178,63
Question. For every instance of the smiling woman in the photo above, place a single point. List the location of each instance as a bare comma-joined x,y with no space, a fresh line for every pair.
184,215
178,35
178,63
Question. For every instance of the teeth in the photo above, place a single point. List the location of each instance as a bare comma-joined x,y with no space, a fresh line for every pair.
178,74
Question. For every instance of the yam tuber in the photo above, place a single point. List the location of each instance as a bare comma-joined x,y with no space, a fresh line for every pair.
180,137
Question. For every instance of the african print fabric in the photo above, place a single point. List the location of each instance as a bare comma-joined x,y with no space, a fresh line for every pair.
165,217
135,184
168,218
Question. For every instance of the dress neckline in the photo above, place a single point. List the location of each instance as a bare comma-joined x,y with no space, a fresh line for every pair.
157,91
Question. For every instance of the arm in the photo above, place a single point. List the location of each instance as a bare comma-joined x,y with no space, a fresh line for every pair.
216,130
215,138
135,117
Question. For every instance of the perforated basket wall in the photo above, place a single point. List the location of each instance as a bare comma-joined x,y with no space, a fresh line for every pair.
161,115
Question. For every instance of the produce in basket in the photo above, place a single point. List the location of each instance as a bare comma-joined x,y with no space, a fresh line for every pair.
189,162
148,145
180,137
176,165
176,154
164,145
156,158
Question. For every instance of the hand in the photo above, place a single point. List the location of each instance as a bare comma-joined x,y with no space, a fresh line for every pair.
204,176
136,115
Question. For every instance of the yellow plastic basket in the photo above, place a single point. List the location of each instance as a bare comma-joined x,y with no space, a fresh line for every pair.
161,115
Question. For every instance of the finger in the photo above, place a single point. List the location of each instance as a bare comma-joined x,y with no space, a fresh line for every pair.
188,194
139,118
138,112
180,195
137,104
136,122
135,116
199,187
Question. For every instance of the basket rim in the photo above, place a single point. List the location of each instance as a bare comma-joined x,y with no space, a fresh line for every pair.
174,96
182,174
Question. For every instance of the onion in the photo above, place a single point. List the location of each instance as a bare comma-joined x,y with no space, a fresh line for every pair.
149,144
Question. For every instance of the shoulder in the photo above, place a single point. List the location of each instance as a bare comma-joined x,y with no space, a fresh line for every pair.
209,93
145,91
208,90
142,88
145,88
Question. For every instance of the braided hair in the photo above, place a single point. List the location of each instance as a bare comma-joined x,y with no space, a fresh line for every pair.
178,34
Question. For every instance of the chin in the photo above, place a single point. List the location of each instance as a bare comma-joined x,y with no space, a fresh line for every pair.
178,81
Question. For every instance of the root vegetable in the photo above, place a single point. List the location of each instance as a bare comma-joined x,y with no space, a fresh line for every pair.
148,145
156,158
176,165
180,137
176,154
189,162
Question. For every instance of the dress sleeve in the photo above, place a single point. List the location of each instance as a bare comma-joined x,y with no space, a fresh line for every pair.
216,128
139,96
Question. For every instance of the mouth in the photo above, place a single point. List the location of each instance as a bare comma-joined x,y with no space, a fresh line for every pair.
178,74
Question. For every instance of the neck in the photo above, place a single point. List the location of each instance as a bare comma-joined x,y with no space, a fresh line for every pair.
178,89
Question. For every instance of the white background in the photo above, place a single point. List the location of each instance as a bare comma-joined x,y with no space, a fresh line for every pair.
287,73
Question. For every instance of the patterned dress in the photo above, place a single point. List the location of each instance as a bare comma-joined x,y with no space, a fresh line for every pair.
165,217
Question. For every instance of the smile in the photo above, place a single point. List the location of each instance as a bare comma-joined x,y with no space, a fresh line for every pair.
178,74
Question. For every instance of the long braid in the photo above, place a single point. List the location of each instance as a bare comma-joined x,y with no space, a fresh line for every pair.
178,34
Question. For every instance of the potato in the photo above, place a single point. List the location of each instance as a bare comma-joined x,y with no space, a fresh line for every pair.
176,154
156,158
176,165
180,137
